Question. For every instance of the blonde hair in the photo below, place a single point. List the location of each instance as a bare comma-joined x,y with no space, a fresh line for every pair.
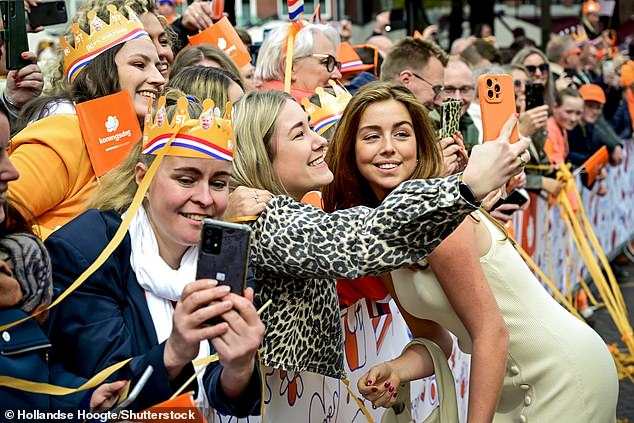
254,121
117,188
203,82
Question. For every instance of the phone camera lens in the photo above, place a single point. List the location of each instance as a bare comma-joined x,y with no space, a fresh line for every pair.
489,82
497,88
490,94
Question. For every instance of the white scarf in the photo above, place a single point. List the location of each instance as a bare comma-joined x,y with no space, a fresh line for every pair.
162,284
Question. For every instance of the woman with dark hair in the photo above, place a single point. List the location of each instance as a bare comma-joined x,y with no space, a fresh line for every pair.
57,174
557,368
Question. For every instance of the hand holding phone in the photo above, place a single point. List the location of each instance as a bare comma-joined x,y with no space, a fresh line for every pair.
497,103
449,117
518,196
534,93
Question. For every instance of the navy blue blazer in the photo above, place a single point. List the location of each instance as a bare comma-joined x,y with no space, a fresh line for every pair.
107,320
23,354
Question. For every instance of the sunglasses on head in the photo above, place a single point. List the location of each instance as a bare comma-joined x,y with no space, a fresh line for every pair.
532,69
329,61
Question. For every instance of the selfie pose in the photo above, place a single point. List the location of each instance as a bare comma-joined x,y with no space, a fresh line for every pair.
298,250
144,302
557,368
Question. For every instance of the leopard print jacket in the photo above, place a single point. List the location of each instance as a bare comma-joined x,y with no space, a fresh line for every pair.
299,251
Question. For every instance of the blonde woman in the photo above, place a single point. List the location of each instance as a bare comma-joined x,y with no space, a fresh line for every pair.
144,302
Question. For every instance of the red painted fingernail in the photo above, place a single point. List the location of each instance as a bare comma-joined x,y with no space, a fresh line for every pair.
374,389
394,394
391,389
386,384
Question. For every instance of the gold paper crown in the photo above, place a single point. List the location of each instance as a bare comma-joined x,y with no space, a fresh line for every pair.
209,136
102,37
332,106
579,34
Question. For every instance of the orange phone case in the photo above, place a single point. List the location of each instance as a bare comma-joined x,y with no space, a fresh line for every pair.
497,103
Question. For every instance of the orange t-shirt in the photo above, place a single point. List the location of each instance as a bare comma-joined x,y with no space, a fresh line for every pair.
556,146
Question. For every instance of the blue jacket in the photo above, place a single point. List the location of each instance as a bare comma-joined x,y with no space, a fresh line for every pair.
23,354
107,320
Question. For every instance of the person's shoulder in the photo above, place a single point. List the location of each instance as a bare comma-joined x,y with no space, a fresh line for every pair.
51,131
88,232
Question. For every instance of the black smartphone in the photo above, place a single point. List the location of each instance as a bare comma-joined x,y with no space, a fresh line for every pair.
518,196
534,95
223,253
14,34
48,13
449,117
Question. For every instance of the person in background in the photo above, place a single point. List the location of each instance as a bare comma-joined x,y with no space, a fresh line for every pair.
590,19
565,62
420,66
592,133
536,64
567,112
460,85
207,82
207,55
533,125
314,59
623,119
167,9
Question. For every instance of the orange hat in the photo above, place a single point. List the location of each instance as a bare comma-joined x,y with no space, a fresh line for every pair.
350,60
590,7
592,92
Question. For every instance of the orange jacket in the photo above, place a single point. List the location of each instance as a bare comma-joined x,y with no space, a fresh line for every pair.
56,177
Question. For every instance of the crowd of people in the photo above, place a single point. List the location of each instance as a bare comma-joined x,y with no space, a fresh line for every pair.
408,213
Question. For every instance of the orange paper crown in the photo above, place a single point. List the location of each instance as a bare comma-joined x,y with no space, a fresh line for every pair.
579,35
209,136
324,116
590,7
102,37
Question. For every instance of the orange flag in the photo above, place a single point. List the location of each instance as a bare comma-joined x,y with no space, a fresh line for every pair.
110,128
181,409
224,36
595,163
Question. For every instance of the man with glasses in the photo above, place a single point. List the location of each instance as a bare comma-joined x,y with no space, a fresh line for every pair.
565,62
459,85
420,66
